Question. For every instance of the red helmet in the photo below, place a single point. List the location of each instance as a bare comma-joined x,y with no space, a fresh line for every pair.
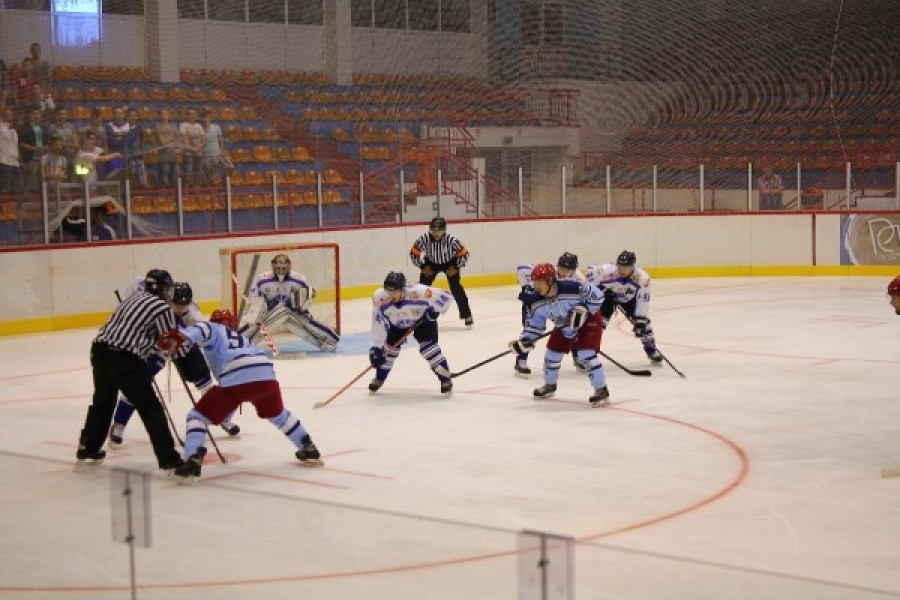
894,287
544,271
223,316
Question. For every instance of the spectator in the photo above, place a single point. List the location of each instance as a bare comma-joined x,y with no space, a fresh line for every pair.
7,86
53,163
770,186
117,132
10,170
134,142
167,154
62,128
214,160
31,147
94,163
40,67
40,100
98,128
101,231
192,137
24,81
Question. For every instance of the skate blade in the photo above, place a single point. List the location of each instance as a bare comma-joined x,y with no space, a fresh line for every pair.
190,480
548,397
521,375
311,464
86,465
600,404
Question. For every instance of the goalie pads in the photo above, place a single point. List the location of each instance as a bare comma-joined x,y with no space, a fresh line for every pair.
253,314
577,317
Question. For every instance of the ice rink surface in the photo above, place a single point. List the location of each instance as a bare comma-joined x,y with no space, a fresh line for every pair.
757,476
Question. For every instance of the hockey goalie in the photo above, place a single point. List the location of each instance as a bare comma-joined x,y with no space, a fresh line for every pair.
280,300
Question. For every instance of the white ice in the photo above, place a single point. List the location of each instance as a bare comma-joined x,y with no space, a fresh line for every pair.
757,476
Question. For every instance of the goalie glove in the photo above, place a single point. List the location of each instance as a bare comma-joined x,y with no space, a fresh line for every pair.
640,326
376,356
577,317
521,346
170,341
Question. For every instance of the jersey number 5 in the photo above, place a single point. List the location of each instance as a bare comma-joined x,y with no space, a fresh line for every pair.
236,340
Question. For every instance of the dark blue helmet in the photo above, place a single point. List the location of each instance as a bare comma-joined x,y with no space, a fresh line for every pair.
567,260
626,259
182,293
394,281
159,283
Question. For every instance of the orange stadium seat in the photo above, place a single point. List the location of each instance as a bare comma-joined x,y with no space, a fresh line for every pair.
218,95
233,133
339,134
248,113
331,196
81,113
282,154
254,178
262,153
92,93
137,94
309,197
251,134
301,154
148,113
226,113
198,95
294,177
70,94
241,155
157,94
312,177
236,177
278,175
178,94
332,176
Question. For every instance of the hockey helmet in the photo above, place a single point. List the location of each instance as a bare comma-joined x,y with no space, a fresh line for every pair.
225,317
567,260
281,265
544,271
394,281
626,259
159,283
438,224
894,287
182,293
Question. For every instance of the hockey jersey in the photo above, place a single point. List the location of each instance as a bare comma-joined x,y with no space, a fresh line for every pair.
232,359
634,287
293,292
417,298
555,309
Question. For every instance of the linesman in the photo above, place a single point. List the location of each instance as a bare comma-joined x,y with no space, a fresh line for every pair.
438,252
118,361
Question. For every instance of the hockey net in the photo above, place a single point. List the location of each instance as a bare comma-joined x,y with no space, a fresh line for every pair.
318,263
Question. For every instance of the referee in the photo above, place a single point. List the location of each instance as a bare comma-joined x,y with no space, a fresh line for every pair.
435,252
118,356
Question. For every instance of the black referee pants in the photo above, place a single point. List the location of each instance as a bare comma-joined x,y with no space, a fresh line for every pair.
115,370
456,288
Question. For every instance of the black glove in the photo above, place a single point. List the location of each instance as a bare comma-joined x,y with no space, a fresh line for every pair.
376,356
640,326
609,295
431,314
521,346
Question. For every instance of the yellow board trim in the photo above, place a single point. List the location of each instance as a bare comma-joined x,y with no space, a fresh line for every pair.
77,321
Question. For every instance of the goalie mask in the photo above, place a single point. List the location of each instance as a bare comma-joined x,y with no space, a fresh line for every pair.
225,317
159,283
281,266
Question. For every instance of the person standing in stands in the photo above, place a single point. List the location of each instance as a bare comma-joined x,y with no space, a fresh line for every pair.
771,186
438,252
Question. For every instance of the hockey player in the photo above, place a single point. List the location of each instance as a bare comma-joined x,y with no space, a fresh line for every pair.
245,374
630,291
893,291
574,309
399,307
280,300
190,361
566,269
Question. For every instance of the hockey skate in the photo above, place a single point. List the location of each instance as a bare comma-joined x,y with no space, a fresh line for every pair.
522,369
309,455
329,346
375,385
545,392
116,434
232,429
189,470
469,321
655,355
600,397
86,458
446,387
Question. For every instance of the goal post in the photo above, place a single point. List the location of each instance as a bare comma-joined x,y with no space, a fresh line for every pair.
318,263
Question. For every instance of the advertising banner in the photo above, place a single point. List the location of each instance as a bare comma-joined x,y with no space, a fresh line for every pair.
872,239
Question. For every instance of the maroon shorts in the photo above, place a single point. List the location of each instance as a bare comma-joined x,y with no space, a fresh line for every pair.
219,402
588,336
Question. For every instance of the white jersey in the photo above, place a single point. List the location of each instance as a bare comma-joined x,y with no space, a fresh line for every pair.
523,273
293,292
417,298
635,287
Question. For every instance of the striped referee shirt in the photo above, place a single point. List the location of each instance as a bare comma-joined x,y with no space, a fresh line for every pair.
447,250
137,323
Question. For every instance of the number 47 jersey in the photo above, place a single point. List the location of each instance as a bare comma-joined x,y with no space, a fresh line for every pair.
232,359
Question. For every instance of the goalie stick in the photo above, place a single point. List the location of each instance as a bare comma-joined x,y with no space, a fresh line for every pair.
888,472
393,347
495,357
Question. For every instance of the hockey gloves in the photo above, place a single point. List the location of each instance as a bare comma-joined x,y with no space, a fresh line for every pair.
376,357
431,314
170,341
521,346
640,326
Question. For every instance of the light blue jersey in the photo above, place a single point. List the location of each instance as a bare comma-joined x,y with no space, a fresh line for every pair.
556,309
232,359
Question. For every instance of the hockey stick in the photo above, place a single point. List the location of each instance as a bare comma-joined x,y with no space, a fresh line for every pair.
259,324
635,372
887,472
495,357
668,362
191,396
159,395
393,347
